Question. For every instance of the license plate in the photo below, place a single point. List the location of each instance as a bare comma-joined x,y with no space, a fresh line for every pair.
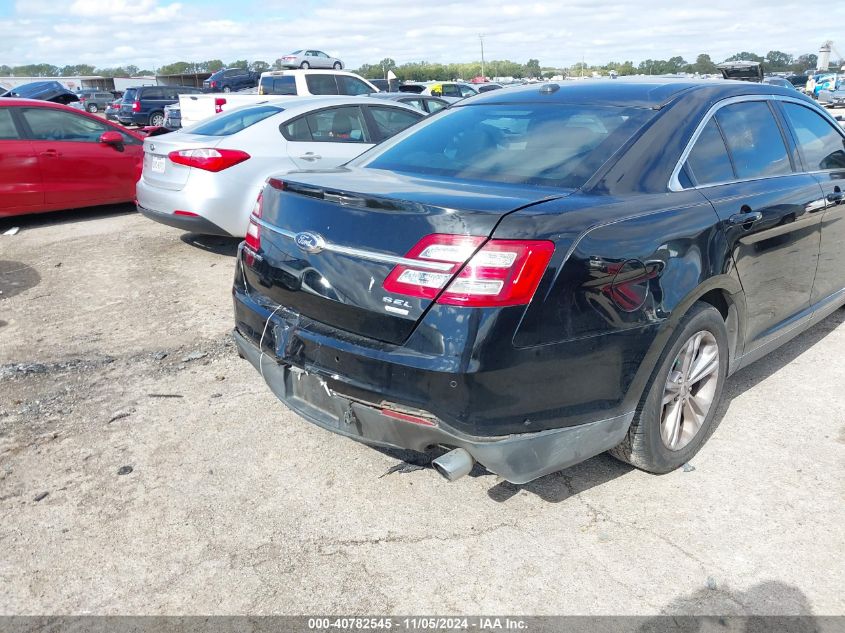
157,164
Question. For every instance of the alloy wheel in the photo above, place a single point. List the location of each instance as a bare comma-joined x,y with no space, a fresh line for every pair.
689,390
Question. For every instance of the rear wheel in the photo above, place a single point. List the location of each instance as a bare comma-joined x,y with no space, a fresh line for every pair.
227,89
305,65
92,108
676,415
338,65
157,119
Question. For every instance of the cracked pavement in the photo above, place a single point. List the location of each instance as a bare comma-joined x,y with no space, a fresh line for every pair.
115,352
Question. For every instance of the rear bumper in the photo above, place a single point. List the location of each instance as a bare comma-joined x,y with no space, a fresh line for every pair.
192,223
518,458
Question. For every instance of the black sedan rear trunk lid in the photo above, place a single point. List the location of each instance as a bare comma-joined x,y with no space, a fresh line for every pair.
330,239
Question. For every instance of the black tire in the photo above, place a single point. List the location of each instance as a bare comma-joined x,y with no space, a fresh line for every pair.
305,65
338,66
644,447
227,89
157,119
92,108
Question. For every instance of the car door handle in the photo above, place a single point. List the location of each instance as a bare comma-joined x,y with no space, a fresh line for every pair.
748,217
51,153
310,156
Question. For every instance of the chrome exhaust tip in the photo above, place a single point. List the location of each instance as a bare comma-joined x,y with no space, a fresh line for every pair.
454,464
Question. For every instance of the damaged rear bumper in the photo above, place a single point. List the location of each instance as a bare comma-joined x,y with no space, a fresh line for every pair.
517,458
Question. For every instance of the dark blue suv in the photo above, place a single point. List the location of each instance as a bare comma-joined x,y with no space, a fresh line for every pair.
231,80
144,105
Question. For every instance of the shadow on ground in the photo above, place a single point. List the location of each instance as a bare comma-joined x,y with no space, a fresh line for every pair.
603,468
217,244
52,218
768,607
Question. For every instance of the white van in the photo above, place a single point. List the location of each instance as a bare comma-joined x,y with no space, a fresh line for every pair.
275,83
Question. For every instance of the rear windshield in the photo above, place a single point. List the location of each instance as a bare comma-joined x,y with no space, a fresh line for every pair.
283,85
234,121
538,144
129,95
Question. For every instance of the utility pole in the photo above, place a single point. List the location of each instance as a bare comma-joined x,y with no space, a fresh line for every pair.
481,39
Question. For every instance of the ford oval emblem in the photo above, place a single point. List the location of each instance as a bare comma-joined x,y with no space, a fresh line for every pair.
310,242
152,147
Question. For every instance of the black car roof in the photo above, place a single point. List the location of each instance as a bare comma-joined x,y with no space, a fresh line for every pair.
642,93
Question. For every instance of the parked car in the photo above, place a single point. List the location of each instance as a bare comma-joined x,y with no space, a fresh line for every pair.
742,70
385,85
276,83
541,274
44,91
799,81
172,116
144,105
231,80
779,81
94,100
426,104
205,178
55,157
310,58
487,87
313,82
833,97
448,89
112,109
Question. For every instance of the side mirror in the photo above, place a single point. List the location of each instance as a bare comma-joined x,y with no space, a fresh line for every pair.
115,139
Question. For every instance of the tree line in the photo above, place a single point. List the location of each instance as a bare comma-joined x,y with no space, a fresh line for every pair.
774,61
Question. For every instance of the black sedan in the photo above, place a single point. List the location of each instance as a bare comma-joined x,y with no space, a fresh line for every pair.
540,274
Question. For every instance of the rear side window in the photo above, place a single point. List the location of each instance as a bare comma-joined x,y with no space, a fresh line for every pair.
708,162
8,131
466,91
435,106
754,140
152,93
321,84
820,145
390,121
235,121
335,125
284,85
352,86
534,144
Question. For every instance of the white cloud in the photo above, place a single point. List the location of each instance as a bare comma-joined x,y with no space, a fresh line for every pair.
149,33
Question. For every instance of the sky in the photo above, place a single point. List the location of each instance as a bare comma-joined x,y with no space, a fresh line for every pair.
150,33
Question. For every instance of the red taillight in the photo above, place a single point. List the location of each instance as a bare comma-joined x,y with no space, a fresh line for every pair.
253,231
136,106
500,273
219,102
209,159
185,213
213,84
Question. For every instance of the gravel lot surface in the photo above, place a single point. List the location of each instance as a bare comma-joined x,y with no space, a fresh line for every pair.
146,469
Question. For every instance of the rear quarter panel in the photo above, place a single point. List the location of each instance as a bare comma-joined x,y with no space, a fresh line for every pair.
623,273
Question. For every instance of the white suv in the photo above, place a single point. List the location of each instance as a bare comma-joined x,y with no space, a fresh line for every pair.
313,82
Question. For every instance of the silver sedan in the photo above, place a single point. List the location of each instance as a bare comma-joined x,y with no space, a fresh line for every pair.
310,58
206,177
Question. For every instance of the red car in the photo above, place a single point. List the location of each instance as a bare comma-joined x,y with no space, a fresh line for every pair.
55,157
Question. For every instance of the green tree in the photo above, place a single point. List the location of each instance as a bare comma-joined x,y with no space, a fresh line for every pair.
778,60
532,68
744,56
176,68
704,65
240,63
259,66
